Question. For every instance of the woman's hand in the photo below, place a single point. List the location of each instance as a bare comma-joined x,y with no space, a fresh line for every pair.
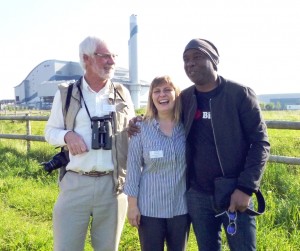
133,213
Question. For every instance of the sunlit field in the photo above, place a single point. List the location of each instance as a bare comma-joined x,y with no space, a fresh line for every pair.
28,194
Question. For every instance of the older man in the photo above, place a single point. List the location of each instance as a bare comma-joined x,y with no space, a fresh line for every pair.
92,186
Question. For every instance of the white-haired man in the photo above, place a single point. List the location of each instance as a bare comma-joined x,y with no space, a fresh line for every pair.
93,129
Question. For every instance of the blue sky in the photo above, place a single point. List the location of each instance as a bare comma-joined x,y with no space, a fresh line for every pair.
258,40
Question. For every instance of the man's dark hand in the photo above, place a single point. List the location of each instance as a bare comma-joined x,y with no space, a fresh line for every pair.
239,201
133,128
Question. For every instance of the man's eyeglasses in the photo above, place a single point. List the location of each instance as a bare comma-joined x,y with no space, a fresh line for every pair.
106,55
232,217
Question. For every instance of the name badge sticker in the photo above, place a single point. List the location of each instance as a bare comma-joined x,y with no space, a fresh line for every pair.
109,108
156,154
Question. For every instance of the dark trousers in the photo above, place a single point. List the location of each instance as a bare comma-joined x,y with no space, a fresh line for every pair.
207,227
153,233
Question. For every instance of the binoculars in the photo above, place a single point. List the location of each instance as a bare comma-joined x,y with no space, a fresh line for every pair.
102,132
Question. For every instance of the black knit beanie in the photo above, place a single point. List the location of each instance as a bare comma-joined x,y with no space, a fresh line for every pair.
205,46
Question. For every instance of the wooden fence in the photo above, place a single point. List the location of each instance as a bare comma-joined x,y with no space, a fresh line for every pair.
28,137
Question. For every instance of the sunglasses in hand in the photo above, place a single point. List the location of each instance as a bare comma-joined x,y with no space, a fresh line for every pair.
232,217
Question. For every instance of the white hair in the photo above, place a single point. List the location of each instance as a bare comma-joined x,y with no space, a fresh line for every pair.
88,47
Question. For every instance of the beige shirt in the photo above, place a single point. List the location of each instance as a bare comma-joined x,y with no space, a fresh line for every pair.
98,105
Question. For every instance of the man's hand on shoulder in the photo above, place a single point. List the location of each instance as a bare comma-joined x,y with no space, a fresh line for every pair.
133,128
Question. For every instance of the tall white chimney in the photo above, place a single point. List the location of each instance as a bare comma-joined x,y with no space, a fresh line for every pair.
134,86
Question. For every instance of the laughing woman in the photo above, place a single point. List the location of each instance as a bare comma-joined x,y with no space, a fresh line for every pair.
156,170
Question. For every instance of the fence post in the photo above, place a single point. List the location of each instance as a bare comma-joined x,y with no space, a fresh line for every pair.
28,132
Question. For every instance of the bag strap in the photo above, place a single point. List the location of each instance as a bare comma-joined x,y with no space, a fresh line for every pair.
64,149
68,99
119,90
261,204
66,103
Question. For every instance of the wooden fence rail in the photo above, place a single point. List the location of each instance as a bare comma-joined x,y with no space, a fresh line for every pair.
287,125
283,125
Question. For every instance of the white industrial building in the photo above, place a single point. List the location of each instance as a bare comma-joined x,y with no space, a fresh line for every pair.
39,87
37,90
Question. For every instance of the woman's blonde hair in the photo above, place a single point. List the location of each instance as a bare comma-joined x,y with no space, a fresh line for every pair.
151,111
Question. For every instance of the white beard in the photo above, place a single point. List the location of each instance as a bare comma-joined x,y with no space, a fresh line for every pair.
104,74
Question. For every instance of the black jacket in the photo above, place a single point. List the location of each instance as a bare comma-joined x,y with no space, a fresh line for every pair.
239,130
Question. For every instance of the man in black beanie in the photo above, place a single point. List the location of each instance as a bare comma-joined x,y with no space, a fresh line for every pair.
227,141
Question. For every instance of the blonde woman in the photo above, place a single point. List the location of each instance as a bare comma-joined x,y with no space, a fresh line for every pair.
156,172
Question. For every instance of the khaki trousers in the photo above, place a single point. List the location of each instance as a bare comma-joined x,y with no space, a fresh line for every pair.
83,198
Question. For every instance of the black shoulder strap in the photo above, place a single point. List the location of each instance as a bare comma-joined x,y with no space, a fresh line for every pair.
62,170
120,91
67,103
68,99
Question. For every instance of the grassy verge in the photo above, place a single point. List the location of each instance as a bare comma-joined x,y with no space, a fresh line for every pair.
28,195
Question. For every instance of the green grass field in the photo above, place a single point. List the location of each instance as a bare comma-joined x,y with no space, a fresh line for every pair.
28,194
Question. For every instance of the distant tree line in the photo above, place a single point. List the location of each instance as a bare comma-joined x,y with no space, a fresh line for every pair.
270,106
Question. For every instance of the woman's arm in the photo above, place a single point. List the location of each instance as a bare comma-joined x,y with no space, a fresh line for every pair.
133,213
